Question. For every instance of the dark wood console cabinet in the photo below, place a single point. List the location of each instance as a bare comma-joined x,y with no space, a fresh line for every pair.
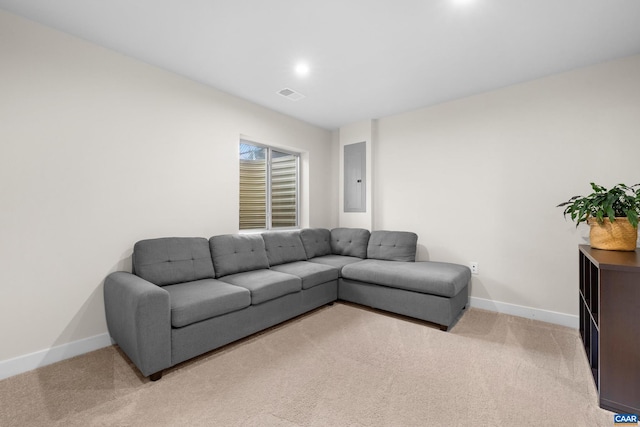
610,325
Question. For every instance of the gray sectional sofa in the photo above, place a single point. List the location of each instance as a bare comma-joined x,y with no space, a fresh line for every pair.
187,296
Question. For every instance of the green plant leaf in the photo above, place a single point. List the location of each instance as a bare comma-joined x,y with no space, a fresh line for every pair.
632,216
619,201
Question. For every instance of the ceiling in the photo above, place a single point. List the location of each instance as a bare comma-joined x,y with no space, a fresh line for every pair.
367,58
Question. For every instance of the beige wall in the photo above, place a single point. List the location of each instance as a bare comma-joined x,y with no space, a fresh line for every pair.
97,151
478,179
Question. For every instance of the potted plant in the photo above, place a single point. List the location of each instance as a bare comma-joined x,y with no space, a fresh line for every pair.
611,213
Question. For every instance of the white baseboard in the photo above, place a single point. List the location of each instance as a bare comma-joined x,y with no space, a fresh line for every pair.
28,362
526,312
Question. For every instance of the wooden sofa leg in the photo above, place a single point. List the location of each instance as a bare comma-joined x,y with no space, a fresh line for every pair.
156,376
330,304
444,328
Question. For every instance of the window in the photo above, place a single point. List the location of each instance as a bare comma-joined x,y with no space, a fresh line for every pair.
268,187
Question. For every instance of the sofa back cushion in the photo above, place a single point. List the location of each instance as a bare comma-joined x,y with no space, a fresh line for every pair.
392,245
171,260
236,253
350,242
316,242
283,247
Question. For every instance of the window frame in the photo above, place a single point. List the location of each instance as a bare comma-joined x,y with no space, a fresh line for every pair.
268,185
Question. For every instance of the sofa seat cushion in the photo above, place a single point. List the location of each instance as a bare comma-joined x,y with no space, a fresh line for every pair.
436,278
336,261
192,302
265,285
311,274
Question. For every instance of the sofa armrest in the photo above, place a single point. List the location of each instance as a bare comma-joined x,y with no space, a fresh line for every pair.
139,320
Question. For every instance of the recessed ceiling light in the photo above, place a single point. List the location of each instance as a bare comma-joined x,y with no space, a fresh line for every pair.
302,69
462,2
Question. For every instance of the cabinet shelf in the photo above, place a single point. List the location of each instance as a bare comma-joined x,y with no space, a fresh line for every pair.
609,307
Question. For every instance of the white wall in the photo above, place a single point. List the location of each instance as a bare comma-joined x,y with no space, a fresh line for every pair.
479,179
97,151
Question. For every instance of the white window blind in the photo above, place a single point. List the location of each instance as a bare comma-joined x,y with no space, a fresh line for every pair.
268,187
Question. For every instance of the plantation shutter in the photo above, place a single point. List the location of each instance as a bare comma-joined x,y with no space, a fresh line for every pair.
284,191
253,187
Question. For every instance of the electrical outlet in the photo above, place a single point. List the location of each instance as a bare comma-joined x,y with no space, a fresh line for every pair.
474,267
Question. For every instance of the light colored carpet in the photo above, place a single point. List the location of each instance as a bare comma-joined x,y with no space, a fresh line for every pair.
337,366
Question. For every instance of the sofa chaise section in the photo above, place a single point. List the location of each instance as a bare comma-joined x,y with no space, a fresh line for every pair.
391,280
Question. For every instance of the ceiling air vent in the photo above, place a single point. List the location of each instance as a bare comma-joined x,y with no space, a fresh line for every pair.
291,94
